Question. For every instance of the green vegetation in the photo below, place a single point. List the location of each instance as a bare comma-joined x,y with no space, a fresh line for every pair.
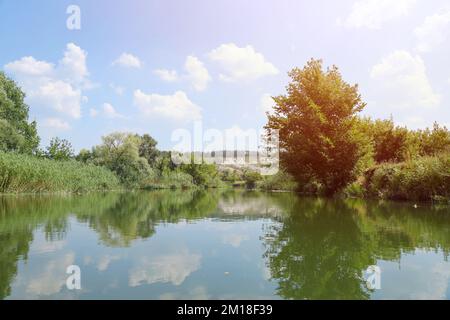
317,127
427,178
29,174
59,149
16,133
325,146
281,181
329,149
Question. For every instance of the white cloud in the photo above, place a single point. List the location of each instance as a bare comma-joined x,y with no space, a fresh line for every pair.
30,66
110,112
73,66
128,60
61,96
400,80
373,14
176,106
57,123
234,240
197,74
266,103
117,89
433,32
167,75
173,268
105,261
241,63
58,87
50,278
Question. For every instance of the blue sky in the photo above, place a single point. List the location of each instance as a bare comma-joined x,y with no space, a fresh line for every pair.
155,66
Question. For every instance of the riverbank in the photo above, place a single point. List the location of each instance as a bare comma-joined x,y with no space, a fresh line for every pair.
424,179
21,173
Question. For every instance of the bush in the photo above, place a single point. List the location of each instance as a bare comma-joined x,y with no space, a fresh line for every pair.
424,179
28,174
279,181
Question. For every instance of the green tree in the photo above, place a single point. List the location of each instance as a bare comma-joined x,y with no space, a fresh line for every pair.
203,174
147,149
251,177
390,141
316,120
85,156
16,133
434,141
119,152
59,149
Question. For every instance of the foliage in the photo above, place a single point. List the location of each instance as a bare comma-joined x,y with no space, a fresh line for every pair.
85,156
279,181
427,178
316,123
147,148
205,175
119,152
29,174
16,133
251,177
59,149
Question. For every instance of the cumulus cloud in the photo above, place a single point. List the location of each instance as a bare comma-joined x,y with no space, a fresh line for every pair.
29,66
195,73
105,261
241,64
52,277
373,14
173,268
176,106
127,60
56,123
73,65
266,103
107,111
400,81
234,240
433,31
110,112
58,86
117,89
167,75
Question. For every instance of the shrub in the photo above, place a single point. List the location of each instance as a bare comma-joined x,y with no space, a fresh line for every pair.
424,179
279,181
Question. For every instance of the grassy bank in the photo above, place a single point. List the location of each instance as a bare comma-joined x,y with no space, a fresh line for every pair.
27,174
424,179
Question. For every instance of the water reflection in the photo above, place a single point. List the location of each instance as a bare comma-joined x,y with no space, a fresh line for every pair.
215,244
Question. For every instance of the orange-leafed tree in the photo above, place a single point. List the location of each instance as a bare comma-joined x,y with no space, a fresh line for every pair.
316,120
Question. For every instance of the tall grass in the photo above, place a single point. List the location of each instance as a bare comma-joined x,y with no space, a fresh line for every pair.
27,174
425,179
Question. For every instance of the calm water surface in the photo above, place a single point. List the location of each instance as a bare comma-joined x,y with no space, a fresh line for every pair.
221,245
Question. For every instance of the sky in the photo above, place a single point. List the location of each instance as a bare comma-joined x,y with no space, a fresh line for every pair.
156,66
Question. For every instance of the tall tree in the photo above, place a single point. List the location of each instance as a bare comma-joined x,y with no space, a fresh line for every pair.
59,149
16,133
119,152
147,149
316,123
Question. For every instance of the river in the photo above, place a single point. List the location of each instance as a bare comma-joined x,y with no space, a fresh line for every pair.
222,245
